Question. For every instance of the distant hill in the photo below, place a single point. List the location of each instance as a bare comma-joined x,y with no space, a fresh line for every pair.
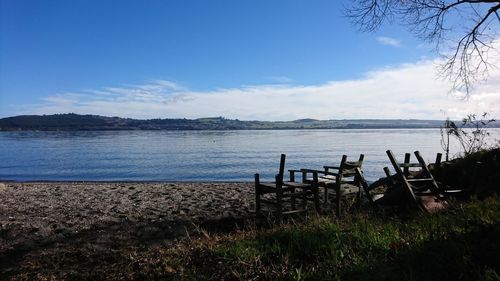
76,122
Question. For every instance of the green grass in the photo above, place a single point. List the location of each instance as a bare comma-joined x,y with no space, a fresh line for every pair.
462,243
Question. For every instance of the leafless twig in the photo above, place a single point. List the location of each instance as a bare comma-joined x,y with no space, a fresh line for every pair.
441,22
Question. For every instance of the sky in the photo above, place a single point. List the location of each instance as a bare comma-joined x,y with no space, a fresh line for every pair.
239,59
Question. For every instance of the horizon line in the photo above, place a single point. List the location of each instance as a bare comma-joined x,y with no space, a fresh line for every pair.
222,117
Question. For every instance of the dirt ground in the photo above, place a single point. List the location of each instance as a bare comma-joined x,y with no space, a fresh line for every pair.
46,227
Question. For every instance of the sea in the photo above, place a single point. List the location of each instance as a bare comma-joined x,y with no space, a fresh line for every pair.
228,156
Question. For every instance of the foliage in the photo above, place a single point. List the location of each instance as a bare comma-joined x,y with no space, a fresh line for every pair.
447,130
472,135
477,174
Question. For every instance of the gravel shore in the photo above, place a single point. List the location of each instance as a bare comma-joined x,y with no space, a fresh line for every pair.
40,220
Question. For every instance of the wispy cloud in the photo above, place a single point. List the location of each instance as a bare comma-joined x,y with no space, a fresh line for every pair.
407,91
280,79
389,41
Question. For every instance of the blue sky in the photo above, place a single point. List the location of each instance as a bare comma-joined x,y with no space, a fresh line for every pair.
197,58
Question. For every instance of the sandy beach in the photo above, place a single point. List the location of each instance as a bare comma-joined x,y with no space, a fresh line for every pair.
43,222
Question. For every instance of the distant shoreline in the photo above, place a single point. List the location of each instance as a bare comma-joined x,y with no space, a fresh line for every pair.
194,130
76,122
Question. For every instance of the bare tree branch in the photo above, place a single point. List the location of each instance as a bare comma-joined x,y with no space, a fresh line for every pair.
441,22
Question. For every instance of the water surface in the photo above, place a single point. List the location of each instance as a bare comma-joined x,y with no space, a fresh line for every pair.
198,155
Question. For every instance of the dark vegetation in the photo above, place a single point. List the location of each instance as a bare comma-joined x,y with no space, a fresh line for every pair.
472,135
75,122
477,173
461,244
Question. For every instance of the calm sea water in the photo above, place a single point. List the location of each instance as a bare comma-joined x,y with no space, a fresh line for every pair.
198,155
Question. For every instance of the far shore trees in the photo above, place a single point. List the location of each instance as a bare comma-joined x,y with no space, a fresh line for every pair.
465,32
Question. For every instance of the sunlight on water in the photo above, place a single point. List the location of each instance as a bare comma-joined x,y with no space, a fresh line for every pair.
200,155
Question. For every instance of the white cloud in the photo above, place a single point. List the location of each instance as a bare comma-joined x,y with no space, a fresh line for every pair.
389,41
406,91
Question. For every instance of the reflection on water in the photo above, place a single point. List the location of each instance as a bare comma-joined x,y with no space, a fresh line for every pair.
199,155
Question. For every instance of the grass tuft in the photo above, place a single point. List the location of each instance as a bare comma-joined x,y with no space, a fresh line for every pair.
459,244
